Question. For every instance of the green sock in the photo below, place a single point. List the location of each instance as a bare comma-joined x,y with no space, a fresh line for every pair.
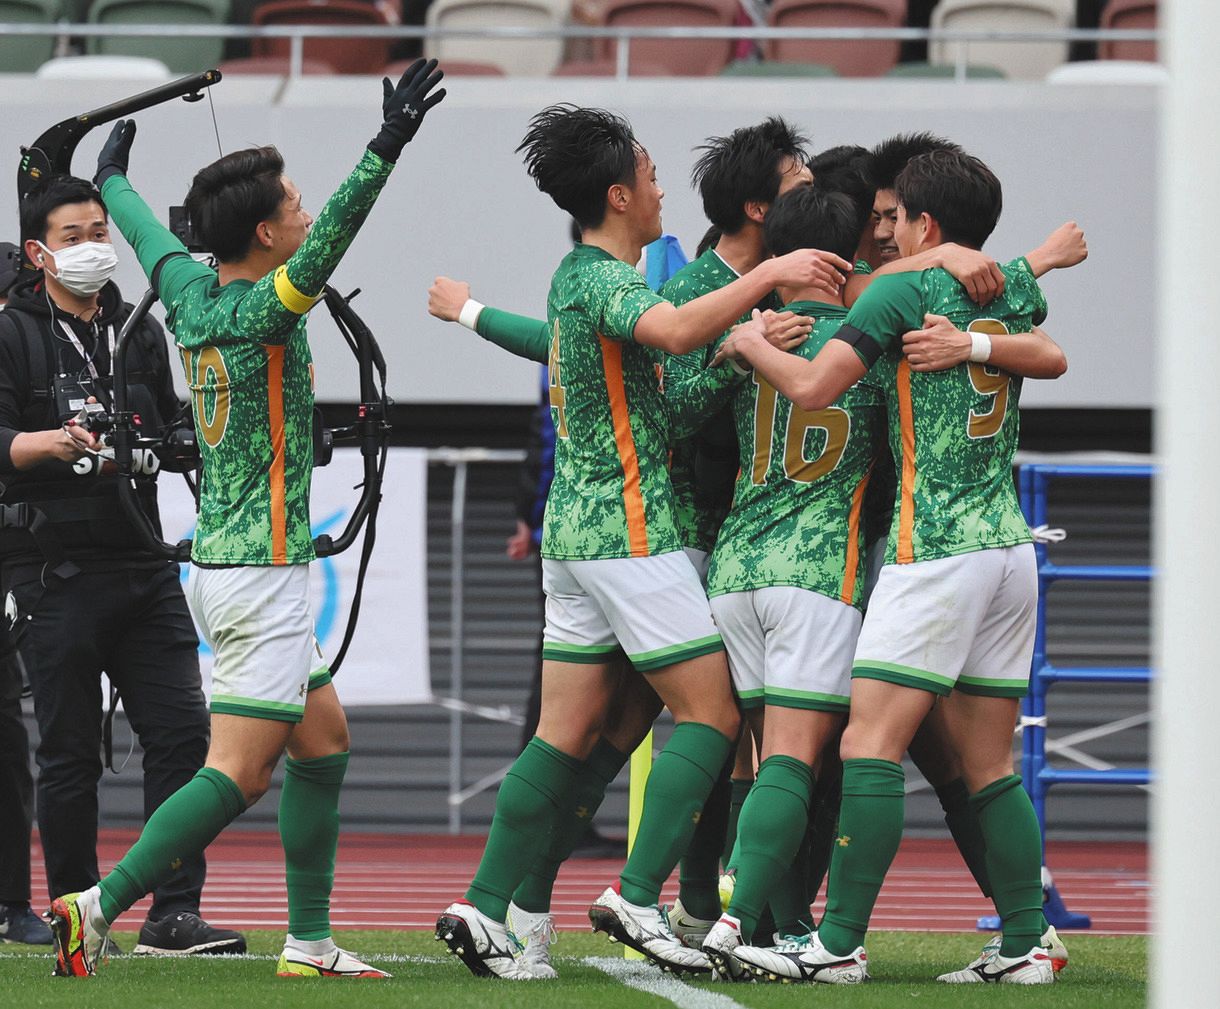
538,784
789,903
870,830
699,870
773,821
823,829
309,832
184,824
739,789
964,827
681,778
1014,861
594,777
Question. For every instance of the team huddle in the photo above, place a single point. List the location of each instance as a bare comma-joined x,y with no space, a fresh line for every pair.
864,398
782,508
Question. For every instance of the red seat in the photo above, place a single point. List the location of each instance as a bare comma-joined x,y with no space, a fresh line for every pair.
452,68
851,58
347,56
1128,14
692,58
608,68
272,65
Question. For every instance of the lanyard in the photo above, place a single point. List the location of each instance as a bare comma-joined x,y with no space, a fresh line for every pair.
88,358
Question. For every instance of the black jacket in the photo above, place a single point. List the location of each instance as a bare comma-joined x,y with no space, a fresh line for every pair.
80,498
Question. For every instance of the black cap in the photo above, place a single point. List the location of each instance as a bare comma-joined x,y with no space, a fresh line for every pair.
10,266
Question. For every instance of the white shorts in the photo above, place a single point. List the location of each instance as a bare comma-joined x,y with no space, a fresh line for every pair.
788,647
652,608
966,622
258,622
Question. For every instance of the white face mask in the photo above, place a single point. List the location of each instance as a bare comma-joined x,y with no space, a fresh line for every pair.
84,268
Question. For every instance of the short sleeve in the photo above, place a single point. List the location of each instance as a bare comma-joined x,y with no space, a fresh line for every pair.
621,299
1038,305
889,306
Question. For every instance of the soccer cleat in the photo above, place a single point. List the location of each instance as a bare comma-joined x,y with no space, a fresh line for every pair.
20,924
688,930
184,934
336,962
1054,949
1032,968
535,931
78,932
484,945
646,930
720,945
804,959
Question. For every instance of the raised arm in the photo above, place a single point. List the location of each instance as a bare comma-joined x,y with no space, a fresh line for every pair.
976,271
450,301
1063,248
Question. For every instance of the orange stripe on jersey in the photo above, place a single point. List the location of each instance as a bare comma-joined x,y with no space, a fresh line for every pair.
906,493
852,561
275,414
633,500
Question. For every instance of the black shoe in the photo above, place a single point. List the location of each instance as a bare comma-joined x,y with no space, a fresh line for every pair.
184,933
19,924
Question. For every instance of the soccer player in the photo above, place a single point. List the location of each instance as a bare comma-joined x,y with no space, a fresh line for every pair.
786,578
613,569
241,332
888,160
952,618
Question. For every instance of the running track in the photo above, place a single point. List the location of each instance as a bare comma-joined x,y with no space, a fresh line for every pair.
403,881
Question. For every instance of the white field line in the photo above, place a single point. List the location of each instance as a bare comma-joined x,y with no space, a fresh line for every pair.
648,979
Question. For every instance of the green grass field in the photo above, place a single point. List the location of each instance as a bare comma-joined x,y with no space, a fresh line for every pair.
1104,971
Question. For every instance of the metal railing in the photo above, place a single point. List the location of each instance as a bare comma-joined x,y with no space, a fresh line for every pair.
623,35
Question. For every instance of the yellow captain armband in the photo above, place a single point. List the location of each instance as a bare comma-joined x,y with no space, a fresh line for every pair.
289,296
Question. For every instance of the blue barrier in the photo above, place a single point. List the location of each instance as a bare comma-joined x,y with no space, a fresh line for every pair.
1037,774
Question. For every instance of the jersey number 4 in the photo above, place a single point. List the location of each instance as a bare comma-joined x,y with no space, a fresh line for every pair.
835,423
555,379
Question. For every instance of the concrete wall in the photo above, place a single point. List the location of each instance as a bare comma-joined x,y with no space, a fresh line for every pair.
460,203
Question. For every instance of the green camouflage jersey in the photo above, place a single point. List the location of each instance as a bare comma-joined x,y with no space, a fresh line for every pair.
250,371
611,495
796,515
952,433
700,508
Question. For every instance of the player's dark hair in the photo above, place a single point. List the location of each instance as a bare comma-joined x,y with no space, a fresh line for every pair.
55,192
232,196
847,169
956,190
575,155
744,167
710,238
810,217
890,157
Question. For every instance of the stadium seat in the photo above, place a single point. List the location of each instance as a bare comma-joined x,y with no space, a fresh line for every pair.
273,66
347,56
525,57
773,68
21,54
943,71
608,68
180,53
1023,60
452,68
860,58
1128,14
693,58
1109,72
103,68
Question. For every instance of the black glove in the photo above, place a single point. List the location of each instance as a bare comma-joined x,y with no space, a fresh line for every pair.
404,107
116,151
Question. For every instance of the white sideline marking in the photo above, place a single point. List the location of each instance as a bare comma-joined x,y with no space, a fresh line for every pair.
647,978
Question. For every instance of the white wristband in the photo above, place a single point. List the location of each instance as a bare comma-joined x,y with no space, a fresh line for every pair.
469,315
738,367
980,347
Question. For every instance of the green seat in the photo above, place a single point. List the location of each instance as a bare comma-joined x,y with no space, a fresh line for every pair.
182,55
23,54
942,71
766,68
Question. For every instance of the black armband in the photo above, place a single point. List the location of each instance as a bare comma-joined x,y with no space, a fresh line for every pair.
866,348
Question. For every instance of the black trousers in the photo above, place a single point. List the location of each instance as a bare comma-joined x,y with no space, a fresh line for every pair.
16,784
134,625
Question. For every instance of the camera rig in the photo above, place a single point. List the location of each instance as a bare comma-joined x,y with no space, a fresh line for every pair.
52,154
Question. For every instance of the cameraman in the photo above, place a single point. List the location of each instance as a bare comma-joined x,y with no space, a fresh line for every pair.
82,594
